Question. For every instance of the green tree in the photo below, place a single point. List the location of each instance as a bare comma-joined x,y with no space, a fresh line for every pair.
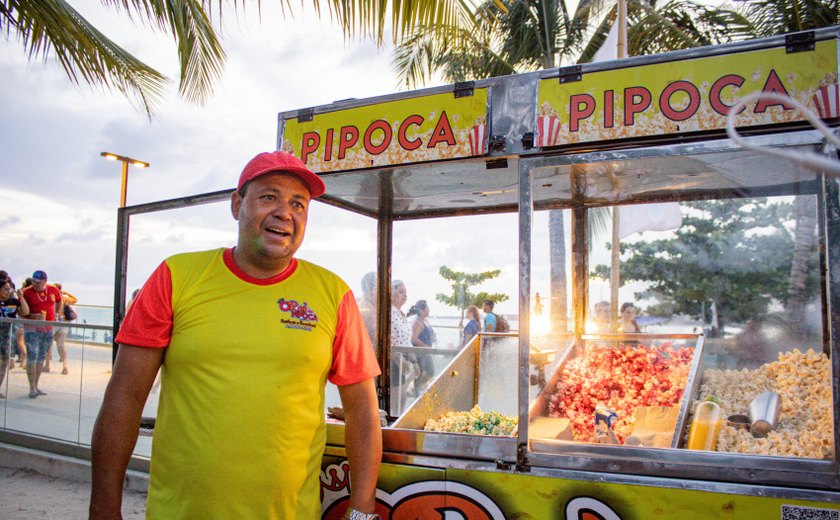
769,18
511,36
772,17
462,283
736,253
53,27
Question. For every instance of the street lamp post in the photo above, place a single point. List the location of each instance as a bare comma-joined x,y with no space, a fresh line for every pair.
122,243
125,162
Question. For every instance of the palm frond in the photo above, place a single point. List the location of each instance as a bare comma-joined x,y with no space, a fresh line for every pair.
771,17
200,53
54,27
598,37
675,25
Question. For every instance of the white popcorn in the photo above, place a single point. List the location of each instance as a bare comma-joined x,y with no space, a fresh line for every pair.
804,428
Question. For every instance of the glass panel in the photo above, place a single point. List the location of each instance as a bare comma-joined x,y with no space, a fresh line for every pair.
473,394
423,188
67,408
445,266
345,243
616,390
745,273
605,179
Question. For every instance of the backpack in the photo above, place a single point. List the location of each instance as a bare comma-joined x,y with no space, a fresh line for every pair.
70,313
502,324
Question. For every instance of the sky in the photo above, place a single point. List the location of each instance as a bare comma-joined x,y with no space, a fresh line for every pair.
60,197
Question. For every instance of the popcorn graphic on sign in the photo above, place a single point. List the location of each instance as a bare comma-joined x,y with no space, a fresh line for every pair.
827,99
548,125
477,133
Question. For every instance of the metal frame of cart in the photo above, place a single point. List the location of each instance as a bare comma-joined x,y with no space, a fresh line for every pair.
510,174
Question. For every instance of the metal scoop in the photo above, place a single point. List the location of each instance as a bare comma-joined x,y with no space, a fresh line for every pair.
764,412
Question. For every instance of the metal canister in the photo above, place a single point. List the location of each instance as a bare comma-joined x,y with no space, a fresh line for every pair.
764,412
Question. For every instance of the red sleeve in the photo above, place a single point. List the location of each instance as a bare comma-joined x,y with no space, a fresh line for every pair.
353,358
148,322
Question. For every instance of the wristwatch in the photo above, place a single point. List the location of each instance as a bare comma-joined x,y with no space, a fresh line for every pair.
353,514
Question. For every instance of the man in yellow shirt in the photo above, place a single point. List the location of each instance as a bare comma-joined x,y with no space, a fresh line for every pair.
245,339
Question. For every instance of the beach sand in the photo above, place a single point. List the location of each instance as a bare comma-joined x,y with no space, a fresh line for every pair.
27,494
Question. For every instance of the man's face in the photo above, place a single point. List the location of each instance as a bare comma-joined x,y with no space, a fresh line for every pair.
487,308
272,218
39,284
5,291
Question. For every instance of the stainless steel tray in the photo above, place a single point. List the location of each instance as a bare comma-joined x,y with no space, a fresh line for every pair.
539,407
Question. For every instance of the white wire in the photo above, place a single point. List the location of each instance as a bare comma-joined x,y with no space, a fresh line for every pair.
811,160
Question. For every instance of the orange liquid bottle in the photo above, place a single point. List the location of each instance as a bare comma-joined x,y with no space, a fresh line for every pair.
705,427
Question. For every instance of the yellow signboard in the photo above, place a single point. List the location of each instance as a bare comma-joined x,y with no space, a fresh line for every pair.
686,96
405,491
427,128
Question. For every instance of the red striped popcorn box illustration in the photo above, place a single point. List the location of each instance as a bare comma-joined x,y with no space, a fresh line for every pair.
548,128
827,100
477,135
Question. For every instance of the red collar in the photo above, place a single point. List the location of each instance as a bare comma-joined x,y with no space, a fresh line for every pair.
227,256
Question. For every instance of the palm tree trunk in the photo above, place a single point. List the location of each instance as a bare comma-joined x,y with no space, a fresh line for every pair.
805,211
557,261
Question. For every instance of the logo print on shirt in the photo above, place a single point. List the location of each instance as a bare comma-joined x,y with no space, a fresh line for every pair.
301,316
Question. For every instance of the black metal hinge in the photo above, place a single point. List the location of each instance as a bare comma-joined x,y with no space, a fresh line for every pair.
528,140
522,464
496,164
464,89
571,74
305,114
503,465
800,42
497,143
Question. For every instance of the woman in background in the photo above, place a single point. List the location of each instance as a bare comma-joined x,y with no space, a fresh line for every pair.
61,332
473,326
11,304
627,320
423,335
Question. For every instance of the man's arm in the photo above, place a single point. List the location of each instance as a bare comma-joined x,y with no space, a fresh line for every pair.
117,426
363,441
23,312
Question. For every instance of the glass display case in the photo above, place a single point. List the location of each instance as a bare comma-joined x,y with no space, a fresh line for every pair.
672,296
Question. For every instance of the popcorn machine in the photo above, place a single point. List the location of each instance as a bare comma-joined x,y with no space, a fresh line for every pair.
602,417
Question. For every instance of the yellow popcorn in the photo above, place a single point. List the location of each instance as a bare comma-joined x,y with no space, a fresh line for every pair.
803,381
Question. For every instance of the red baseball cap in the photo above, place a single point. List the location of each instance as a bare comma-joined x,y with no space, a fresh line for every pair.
282,162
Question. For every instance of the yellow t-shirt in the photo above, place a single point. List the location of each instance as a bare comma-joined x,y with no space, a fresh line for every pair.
240,427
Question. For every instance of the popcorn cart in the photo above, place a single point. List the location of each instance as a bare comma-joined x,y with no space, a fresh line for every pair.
572,421
577,423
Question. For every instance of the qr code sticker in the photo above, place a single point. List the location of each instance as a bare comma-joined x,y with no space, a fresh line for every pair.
809,513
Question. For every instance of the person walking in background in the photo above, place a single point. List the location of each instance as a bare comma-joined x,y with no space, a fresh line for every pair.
473,326
68,315
19,329
423,335
404,366
18,348
131,300
627,320
44,303
10,305
601,317
243,437
489,316
367,306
